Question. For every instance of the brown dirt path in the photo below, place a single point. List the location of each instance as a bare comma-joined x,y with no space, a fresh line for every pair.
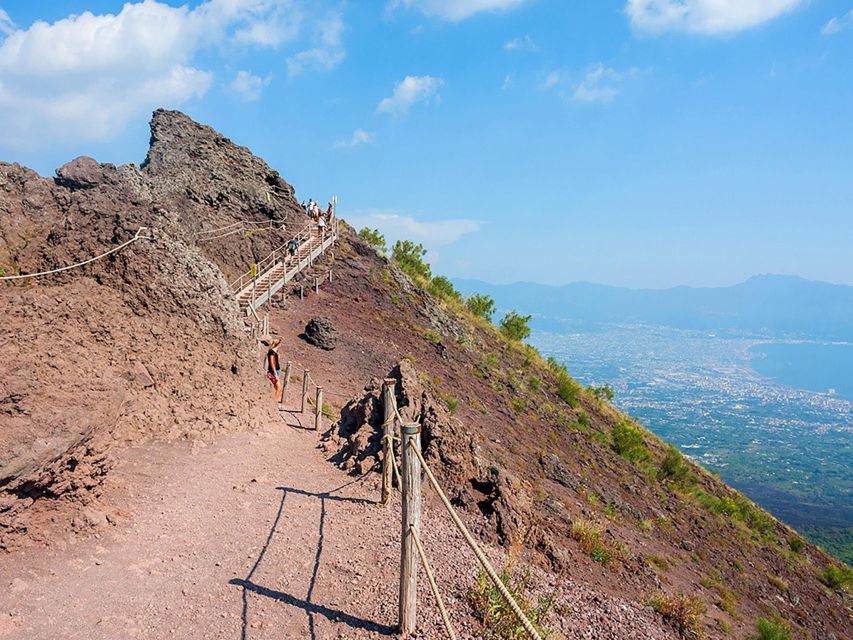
252,536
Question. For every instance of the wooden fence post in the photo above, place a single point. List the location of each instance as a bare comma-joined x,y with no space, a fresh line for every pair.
286,381
301,292
316,285
304,390
388,398
330,275
411,472
318,409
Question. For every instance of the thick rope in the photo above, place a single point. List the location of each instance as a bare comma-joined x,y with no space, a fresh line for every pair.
531,631
442,609
138,236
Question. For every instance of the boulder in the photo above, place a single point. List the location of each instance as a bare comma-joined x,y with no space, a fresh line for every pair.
321,333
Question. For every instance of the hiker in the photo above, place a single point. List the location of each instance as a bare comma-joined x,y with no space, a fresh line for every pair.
321,224
274,367
292,246
310,208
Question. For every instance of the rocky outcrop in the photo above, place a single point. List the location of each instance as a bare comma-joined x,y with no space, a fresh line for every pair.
144,343
321,333
452,451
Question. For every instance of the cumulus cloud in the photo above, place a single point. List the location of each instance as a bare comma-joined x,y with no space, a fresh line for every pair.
359,136
328,53
456,10
836,25
408,91
432,234
248,86
523,43
84,77
710,17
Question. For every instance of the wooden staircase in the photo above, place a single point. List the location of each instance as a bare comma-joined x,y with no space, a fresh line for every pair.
279,268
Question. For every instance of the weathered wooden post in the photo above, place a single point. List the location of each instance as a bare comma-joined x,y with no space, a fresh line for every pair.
330,275
318,409
316,285
286,381
301,292
388,398
411,472
304,390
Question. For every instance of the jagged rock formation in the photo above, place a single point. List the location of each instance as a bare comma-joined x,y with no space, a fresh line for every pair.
144,343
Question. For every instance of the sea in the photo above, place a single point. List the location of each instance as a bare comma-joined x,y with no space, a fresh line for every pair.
774,418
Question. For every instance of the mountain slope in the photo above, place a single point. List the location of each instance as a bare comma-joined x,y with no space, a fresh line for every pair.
768,304
557,477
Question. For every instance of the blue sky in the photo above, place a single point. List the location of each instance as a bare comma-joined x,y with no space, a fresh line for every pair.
645,143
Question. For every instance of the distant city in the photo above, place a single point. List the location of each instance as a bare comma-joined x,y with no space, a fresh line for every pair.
789,449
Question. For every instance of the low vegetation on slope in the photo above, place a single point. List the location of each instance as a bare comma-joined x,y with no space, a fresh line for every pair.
576,486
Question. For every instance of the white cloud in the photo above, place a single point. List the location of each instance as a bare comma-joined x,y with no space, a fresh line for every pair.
598,84
84,77
432,234
552,80
837,25
359,136
248,86
456,10
328,53
509,79
523,43
710,17
6,24
408,91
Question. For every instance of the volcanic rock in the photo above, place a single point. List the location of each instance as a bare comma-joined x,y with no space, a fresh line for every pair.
321,333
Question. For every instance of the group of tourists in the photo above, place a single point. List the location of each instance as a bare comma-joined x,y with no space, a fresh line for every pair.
315,213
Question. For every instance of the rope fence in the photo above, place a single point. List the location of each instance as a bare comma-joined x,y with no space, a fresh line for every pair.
237,227
136,237
413,463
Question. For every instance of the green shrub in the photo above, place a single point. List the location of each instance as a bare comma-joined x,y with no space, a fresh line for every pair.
442,287
519,405
499,621
602,392
797,544
534,383
682,611
374,239
516,326
588,534
431,336
674,468
628,442
480,305
567,389
838,579
410,257
583,419
774,628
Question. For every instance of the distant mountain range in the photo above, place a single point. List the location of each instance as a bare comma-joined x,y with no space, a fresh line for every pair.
766,304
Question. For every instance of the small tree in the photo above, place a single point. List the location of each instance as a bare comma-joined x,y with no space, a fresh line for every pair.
442,287
374,239
410,257
481,305
629,443
516,326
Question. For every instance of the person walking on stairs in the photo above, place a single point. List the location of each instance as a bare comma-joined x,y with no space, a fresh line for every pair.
274,367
